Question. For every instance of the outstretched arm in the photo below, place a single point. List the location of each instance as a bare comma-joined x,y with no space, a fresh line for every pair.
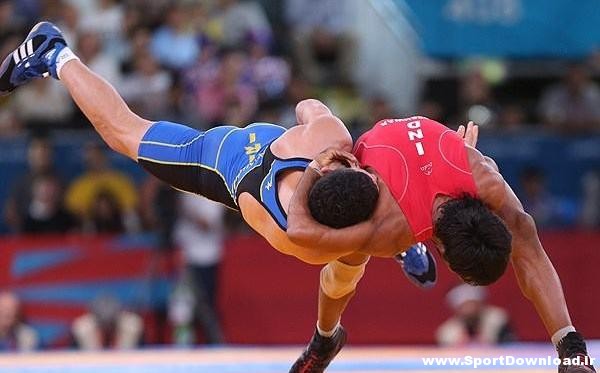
535,273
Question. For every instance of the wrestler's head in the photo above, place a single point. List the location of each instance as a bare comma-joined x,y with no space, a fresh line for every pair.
345,195
472,240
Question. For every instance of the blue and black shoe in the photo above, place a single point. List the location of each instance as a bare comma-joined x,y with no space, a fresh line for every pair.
418,265
34,58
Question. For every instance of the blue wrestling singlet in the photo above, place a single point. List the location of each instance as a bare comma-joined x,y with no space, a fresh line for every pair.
220,163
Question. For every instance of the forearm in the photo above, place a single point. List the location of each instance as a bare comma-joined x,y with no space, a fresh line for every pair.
540,283
300,224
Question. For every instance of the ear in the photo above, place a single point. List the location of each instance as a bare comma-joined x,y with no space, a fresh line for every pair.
327,169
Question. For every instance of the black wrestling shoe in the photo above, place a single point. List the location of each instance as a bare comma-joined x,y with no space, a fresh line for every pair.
319,353
573,347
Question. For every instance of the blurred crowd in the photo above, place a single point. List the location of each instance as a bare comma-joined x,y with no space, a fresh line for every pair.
237,61
211,62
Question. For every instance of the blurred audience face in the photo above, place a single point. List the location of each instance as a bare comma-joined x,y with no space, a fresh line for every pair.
9,312
299,89
467,301
232,67
88,45
146,65
512,116
39,155
176,18
576,79
140,42
95,158
532,181
469,309
69,15
431,109
46,195
106,309
106,213
6,12
474,89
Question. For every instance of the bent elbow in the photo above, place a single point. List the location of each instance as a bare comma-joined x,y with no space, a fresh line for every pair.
299,236
525,225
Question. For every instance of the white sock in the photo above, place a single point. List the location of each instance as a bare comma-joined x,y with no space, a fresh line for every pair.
64,56
328,334
561,333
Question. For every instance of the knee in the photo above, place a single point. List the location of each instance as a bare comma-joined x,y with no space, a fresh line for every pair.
339,279
127,140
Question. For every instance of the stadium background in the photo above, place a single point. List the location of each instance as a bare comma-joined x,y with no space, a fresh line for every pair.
493,61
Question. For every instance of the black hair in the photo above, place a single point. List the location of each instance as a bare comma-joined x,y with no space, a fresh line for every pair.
476,242
342,198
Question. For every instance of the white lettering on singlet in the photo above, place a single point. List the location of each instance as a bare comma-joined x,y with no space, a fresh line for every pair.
415,134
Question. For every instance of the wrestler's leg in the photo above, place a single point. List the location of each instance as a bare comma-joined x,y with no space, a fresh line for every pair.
99,101
337,287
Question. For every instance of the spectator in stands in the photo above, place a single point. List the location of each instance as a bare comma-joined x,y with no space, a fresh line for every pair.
432,109
99,178
68,22
323,44
547,209
53,108
174,44
146,88
476,100
242,21
299,89
573,106
228,93
9,22
269,74
199,233
106,18
46,213
107,326
474,321
158,213
590,214
15,335
378,108
89,49
157,201
40,161
10,125
512,118
106,215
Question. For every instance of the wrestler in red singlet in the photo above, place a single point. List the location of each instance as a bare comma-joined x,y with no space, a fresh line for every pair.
418,159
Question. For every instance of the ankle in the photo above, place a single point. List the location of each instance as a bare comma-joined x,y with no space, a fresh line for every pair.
328,333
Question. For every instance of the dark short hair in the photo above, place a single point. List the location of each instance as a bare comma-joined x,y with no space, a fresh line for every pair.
477,244
342,198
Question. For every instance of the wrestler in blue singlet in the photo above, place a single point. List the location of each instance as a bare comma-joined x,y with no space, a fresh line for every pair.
220,163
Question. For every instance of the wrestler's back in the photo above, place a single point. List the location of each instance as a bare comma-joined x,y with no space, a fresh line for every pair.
289,145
